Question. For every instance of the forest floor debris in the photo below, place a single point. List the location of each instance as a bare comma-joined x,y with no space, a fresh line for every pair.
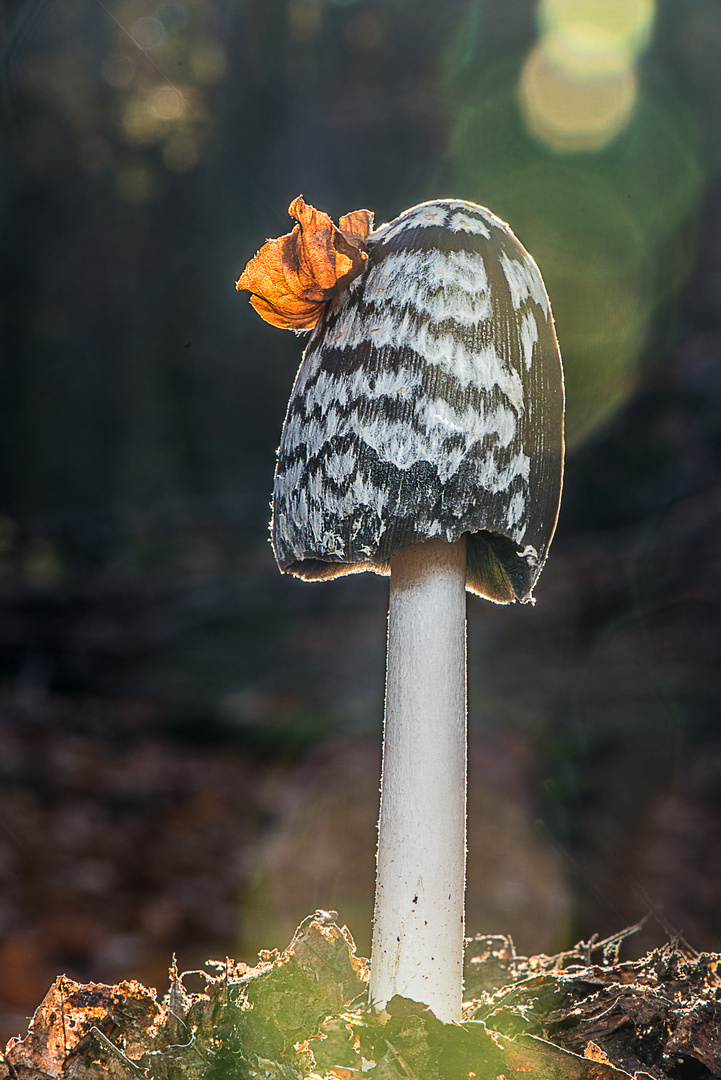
302,1014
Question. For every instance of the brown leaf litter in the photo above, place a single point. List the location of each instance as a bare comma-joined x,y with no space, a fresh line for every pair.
302,1015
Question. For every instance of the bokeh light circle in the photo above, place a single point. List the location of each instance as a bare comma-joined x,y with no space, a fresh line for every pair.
595,30
148,33
612,231
578,87
166,103
574,113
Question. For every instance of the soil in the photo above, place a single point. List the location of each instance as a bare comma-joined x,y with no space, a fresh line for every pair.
302,1014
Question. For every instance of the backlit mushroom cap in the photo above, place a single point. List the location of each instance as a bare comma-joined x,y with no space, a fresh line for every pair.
429,403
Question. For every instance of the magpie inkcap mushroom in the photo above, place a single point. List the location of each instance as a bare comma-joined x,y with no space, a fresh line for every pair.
429,403
423,438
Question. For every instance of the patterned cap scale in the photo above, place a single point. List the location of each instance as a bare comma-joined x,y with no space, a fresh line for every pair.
429,403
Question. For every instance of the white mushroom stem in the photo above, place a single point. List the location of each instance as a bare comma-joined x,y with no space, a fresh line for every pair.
418,927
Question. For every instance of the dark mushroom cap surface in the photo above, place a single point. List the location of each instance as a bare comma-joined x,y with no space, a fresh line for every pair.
429,403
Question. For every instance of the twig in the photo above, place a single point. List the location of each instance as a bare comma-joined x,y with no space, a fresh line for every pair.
105,1041
612,945
190,1045
11,1068
62,1014
403,1064
584,949
180,1021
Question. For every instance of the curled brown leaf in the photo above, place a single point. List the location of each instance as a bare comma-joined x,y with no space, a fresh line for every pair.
291,279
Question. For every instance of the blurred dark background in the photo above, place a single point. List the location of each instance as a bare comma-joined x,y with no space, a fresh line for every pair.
189,742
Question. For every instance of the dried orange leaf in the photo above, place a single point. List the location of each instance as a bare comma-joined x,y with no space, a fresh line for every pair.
291,279
356,226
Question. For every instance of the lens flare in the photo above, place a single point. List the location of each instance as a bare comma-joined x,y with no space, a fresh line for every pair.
598,33
570,112
586,52
578,87
600,169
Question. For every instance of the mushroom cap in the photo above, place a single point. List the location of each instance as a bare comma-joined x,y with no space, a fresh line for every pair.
428,403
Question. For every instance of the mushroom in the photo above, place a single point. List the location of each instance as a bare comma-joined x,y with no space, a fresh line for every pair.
423,439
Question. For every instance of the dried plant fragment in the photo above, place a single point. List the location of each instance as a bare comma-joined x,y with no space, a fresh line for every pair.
291,279
57,1040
